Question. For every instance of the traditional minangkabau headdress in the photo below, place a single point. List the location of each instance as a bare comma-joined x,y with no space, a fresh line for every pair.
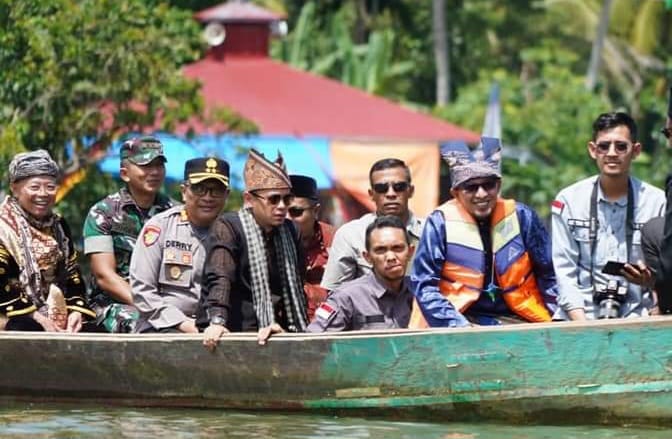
466,164
260,173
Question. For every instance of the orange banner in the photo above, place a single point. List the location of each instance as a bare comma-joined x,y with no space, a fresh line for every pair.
352,161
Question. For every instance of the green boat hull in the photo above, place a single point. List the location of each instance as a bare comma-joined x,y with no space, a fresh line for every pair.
594,372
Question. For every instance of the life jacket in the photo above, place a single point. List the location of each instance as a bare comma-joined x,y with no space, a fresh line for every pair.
462,274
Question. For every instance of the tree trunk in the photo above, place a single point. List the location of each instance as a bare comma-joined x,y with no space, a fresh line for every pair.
441,52
598,43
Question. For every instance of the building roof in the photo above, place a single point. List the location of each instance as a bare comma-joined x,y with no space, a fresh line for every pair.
236,11
284,101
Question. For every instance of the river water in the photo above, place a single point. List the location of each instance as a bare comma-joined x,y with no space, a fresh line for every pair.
53,421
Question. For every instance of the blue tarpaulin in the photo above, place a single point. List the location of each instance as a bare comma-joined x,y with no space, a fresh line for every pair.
306,155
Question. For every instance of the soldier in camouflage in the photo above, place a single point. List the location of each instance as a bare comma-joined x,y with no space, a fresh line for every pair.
113,225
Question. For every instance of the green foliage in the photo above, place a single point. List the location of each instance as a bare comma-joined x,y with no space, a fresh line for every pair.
62,60
90,70
372,66
537,51
546,122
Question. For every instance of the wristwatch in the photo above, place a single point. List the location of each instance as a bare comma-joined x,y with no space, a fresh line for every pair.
218,320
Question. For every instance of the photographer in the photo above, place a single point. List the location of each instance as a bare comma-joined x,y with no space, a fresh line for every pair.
598,220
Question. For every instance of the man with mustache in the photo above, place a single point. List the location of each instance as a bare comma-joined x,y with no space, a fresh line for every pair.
391,188
167,263
114,223
597,220
482,259
380,299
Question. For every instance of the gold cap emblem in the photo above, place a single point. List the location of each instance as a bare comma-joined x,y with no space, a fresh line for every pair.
211,165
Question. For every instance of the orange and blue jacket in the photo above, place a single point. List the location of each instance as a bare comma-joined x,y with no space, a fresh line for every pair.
448,273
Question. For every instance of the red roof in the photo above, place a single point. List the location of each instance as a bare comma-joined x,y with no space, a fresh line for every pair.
235,11
283,100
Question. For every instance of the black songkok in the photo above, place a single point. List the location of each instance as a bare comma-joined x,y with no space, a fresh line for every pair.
304,187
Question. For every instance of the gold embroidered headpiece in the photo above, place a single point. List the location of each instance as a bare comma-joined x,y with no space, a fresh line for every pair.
261,173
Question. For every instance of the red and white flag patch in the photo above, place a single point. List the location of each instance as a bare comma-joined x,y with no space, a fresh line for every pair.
325,311
557,206
151,235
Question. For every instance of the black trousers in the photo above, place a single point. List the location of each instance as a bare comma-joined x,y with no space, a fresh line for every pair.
25,323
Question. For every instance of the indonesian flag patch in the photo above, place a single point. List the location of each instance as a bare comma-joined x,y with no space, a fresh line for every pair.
325,312
557,206
151,235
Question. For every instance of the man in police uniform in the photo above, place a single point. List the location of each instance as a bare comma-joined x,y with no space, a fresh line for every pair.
167,264
597,220
113,225
380,299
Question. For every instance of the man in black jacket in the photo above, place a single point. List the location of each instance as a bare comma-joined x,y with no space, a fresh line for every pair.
657,236
252,276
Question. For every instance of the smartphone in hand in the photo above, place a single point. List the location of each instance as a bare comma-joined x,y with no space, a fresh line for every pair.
613,268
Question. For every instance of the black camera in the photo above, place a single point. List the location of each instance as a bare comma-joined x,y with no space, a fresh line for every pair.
609,298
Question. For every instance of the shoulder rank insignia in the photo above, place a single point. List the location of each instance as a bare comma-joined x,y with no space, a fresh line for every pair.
151,235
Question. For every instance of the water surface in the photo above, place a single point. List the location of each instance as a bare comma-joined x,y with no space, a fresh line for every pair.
54,421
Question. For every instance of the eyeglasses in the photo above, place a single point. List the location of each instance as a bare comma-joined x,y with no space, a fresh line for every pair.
49,188
199,189
274,199
667,132
620,146
399,186
296,212
487,186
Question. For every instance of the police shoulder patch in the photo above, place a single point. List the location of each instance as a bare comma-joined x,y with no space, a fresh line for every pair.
150,235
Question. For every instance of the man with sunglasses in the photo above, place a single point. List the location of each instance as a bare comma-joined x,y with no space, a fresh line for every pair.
481,259
113,225
253,273
316,237
390,190
598,220
167,264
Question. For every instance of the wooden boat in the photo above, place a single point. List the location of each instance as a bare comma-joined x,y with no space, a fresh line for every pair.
605,371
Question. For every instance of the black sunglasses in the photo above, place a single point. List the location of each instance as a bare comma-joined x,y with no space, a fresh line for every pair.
399,186
296,212
200,189
473,187
667,132
275,199
620,146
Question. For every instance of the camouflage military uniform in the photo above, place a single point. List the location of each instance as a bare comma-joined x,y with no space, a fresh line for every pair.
112,226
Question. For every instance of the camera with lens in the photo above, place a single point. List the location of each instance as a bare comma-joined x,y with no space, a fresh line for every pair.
608,298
